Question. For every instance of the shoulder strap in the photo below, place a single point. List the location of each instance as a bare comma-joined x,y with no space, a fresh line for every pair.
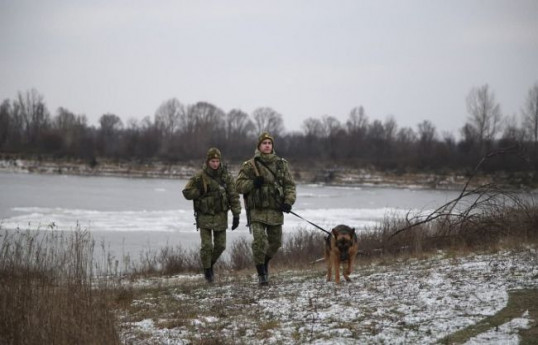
266,167
204,181
214,179
253,162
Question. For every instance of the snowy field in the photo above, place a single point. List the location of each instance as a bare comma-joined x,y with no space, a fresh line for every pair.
404,302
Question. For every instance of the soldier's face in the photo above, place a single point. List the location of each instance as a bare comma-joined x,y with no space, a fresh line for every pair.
214,163
266,146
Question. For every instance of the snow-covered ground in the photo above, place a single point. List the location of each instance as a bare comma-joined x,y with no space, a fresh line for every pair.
408,301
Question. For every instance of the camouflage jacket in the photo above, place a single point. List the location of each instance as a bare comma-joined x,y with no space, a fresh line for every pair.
213,193
264,204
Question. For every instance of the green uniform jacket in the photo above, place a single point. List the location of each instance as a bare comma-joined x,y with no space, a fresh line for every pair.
264,204
213,193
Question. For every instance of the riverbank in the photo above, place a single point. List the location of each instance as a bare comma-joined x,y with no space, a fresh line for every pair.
480,298
339,175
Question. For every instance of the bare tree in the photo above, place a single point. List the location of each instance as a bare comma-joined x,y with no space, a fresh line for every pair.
238,124
32,114
109,141
331,126
358,122
426,132
376,131
406,136
239,133
357,130
168,116
484,115
6,125
426,145
209,119
376,143
468,147
391,128
267,119
530,114
312,128
333,138
187,122
110,123
203,126
149,139
512,132
404,149
70,127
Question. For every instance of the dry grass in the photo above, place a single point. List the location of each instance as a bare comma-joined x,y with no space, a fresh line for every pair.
46,294
486,219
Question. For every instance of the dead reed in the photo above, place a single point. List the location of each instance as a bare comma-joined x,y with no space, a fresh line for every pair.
47,291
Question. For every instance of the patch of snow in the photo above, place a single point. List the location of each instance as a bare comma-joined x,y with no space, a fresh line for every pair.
408,302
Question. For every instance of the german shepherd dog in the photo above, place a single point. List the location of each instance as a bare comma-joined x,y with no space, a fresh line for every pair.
341,247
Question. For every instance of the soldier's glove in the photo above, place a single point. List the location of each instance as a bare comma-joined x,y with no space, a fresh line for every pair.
258,181
235,222
285,208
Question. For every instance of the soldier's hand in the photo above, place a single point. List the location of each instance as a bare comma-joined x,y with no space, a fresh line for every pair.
286,207
235,222
258,181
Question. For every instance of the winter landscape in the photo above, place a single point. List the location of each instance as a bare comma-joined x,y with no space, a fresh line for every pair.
401,301
483,294
415,123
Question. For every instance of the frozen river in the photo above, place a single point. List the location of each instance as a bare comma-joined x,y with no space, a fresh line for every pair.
135,215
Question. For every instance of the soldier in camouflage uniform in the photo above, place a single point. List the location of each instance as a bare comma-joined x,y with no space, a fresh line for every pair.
269,189
213,192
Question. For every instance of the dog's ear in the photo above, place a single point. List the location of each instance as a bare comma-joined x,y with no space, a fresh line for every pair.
354,234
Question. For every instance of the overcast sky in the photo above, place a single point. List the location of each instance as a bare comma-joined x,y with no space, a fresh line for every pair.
413,60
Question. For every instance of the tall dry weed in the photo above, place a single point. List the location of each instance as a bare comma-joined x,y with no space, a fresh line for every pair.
47,293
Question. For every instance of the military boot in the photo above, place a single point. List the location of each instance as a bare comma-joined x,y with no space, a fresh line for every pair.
262,275
212,272
266,265
208,274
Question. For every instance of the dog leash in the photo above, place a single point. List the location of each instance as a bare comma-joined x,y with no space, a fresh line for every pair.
306,220
257,159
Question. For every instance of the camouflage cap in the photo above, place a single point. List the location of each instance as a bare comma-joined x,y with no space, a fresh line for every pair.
213,153
263,136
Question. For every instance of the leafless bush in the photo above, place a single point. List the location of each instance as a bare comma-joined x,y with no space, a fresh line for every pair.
178,260
298,248
481,216
240,254
301,247
166,261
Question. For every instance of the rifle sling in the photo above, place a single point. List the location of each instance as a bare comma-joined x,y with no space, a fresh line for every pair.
257,159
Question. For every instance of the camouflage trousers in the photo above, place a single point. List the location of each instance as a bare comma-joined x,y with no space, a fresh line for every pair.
213,244
267,241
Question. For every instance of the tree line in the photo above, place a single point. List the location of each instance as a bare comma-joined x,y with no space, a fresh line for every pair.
181,133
